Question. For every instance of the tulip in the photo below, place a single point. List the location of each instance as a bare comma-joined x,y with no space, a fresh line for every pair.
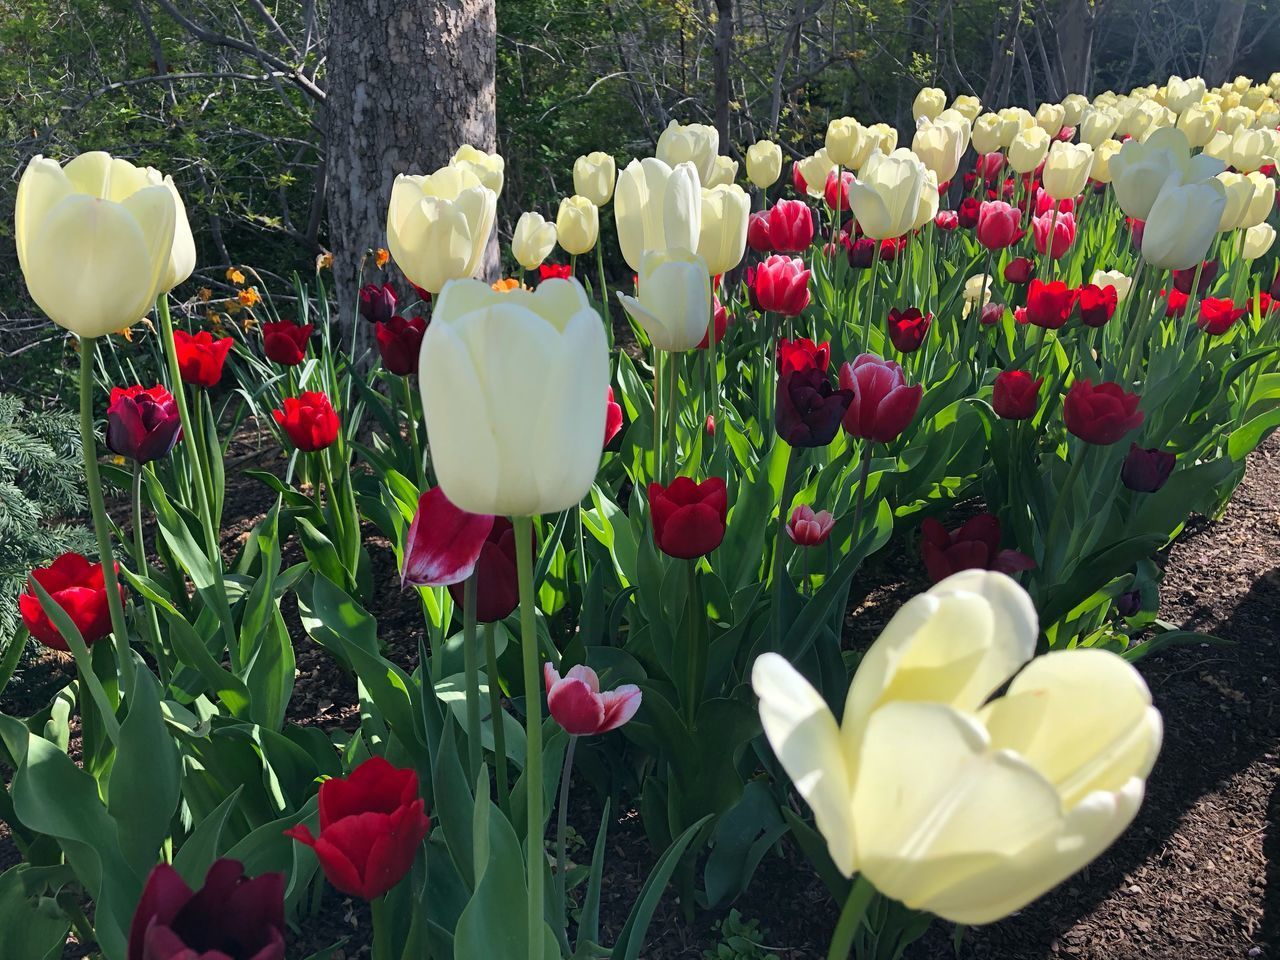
1100,415
438,226
862,251
1218,147
489,168
813,172
802,354
444,543
674,302
1103,154
657,208
908,328
878,136
1049,304
372,823
758,238
1066,169
1181,94
947,220
947,802
999,225
1239,192
929,200
1250,149
79,588
1015,395
973,546
722,238
1098,125
1043,203
533,240
310,421
1019,271
1258,240
723,172
1050,117
612,418
1263,202
694,143
1063,227
940,146
231,917
1177,302
989,166
886,198
1198,123
142,424
780,285
577,225
594,176
809,529
1217,315
882,405
496,575
1183,222
377,302
1183,279
1073,108
967,106
399,343
1028,149
790,226
99,240
285,341
1139,170
988,131
991,314
200,357
1097,304
836,192
807,410
1146,470
1114,279
844,141
969,212
1265,303
555,271
977,289
764,163
797,180
929,102
719,323
1235,118
688,518
511,386
576,702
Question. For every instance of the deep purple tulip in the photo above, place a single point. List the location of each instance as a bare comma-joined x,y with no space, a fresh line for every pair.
378,302
142,424
1146,470
809,410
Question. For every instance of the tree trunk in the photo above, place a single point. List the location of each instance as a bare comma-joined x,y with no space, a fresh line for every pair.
409,81
1075,31
723,63
1220,56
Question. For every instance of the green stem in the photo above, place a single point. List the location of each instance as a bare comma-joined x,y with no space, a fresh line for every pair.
562,829
471,666
582,552
673,419
657,415
497,719
1064,498
871,298
604,291
93,484
381,936
533,729
855,908
693,647
863,476
414,443
791,479
150,621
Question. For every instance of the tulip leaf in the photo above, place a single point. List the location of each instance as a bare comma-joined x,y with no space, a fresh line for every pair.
33,927
739,842
192,651
631,940
455,805
589,917
200,849
1245,439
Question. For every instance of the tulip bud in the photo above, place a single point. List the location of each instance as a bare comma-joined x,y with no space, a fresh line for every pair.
1114,279
285,342
1102,157
974,546
309,421
1258,240
968,106
694,143
1217,315
533,240
594,176
764,163
1073,108
1015,394
947,220
790,226
399,344
1183,222
1198,123
1066,169
1049,304
878,136
1062,226
1098,125
929,102
1146,470
688,518
1097,304
886,197
723,172
142,424
722,239
577,225
1250,149
1028,149
1139,170
674,302
496,575
814,171
844,141
657,208
940,147
999,225
1100,415
987,134
808,529
438,226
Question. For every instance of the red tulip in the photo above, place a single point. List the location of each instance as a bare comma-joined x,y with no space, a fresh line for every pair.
200,357
78,587
1101,414
1136,229
809,529
802,354
1175,303
807,411
797,181
576,702
497,583
999,225
989,165
1019,271
946,220
1182,279
688,518
554,271
231,917
791,225
758,232
612,418
974,546
378,302
310,421
1064,233
970,210
1020,315
837,190
1097,304
719,322
781,285
399,341
1265,303
1145,470
908,328
443,543
285,342
1045,203
861,252
1217,315
1049,304
882,405
1015,395
969,179
372,823
142,425
890,247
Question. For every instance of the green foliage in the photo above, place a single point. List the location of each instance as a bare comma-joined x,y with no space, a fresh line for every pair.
740,939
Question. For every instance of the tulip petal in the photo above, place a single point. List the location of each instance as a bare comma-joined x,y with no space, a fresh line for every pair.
444,542
620,705
576,707
42,186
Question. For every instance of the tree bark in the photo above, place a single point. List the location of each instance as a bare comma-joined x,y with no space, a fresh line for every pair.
1076,25
1220,56
409,81
723,64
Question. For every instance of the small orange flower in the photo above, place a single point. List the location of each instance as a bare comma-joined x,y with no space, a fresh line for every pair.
324,261
234,276
204,293
508,284
127,333
381,257
248,323
248,297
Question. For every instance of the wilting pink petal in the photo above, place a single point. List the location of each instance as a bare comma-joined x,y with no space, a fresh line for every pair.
444,542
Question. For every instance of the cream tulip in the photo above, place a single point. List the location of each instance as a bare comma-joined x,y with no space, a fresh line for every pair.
1050,117
1236,118
815,170
977,291
764,163
1028,149
1263,202
723,238
1219,146
1102,156
657,207
1241,83
1139,170
987,133
1073,107
673,305
1098,125
1239,192
438,225
879,136
1115,279
947,802
1183,222
1066,169
488,167
1268,116
1250,149
968,105
940,146
1254,96
1198,122
929,102
694,143
1145,118
886,196
577,225
511,395
533,240
844,141
594,176
1181,94
1014,120
1258,240
723,171
929,201
99,240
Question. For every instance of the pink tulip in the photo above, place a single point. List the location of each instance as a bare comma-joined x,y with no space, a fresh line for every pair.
576,703
809,529
883,405
1064,233
444,542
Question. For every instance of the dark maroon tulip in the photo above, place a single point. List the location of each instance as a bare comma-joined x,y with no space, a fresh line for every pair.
882,405
808,410
908,328
285,342
991,314
1102,414
1019,270
443,543
1146,470
1129,603
378,302
1016,394
861,252
497,588
967,215
399,340
231,917
974,546
1182,279
142,424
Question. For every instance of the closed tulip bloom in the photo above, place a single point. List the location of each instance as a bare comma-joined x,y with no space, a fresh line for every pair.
673,304
1073,108
1066,169
1146,470
975,545
1051,117
1218,147
989,165
808,529
764,163
489,168
1101,415
79,588
940,147
968,106
372,823
928,203
886,198
1181,94
844,141
1198,122
1239,192
378,302
883,405
1183,279
1139,170
1016,394
1112,278
496,574
878,136
1218,315
438,226
929,102
999,225
908,328
285,341
790,226
695,143
99,240
1019,271
1183,222
142,424
594,176
612,417
977,291
1028,149
808,410
576,702
758,238
1236,118
719,324
780,285
723,171
1106,151
1258,240
802,354
200,357
1063,230
577,225
814,171
231,917
688,518
967,215
657,208
836,192
1097,304
310,421
988,131
722,239
399,342
511,386
944,801
533,240
1263,202
1098,125
1049,304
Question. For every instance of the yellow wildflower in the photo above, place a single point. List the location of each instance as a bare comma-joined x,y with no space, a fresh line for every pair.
324,261
507,285
248,297
381,257
235,276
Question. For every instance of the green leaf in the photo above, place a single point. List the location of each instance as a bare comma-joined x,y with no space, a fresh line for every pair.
589,917
201,848
33,928
631,939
